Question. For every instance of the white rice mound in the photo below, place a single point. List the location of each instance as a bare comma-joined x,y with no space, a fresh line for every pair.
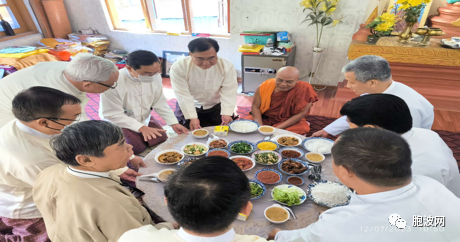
244,126
319,146
330,193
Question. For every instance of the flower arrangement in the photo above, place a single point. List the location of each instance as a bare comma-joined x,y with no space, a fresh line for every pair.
321,14
382,25
412,9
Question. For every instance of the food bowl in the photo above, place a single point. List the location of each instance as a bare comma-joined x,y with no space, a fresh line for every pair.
264,181
220,151
159,154
264,130
296,178
161,175
239,152
277,210
306,141
274,144
261,185
244,167
347,194
243,126
303,163
280,142
219,141
186,161
291,149
276,156
302,194
200,136
311,155
194,149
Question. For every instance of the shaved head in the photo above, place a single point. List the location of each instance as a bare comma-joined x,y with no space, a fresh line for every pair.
286,78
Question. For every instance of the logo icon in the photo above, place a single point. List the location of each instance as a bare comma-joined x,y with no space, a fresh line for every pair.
396,220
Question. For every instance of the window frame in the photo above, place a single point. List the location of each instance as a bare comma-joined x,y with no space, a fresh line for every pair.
148,7
22,15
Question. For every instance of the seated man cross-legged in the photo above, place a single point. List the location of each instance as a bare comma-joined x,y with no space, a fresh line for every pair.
284,102
205,198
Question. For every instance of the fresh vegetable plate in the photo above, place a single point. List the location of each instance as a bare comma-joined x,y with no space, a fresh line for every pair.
257,189
265,157
289,195
241,147
195,149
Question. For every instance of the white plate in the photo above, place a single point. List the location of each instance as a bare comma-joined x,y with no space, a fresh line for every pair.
166,151
216,138
256,126
266,151
245,157
302,200
196,143
275,139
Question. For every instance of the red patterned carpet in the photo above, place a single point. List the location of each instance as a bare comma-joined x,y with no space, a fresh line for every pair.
316,122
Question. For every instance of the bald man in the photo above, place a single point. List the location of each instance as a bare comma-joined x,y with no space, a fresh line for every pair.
284,101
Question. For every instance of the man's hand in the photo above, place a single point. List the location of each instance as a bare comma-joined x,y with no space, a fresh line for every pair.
226,119
130,175
179,129
138,162
320,133
151,133
272,234
194,124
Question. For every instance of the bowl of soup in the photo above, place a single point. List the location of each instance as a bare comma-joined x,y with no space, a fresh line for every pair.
164,174
200,133
277,214
266,130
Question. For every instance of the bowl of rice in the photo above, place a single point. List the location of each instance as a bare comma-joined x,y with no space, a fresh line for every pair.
318,145
329,193
244,126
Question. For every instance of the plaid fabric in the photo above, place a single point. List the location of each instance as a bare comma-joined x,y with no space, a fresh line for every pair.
23,230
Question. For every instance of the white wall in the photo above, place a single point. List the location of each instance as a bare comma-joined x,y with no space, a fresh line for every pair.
245,15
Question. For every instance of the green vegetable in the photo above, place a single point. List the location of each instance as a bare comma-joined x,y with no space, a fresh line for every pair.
194,149
267,158
241,148
288,195
256,189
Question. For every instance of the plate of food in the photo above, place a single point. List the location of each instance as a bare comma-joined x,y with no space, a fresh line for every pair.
318,145
218,152
169,157
243,126
291,152
268,176
266,157
295,180
241,147
287,140
243,162
217,143
329,193
289,195
257,189
195,149
200,133
293,167
267,145
186,161
266,130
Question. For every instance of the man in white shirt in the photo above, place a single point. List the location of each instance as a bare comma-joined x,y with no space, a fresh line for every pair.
86,73
139,90
372,74
389,204
205,86
430,154
204,198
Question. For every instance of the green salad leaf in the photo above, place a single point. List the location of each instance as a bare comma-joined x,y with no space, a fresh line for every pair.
256,189
241,148
288,195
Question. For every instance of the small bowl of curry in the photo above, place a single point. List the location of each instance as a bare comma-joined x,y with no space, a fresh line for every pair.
266,130
169,157
200,133
315,157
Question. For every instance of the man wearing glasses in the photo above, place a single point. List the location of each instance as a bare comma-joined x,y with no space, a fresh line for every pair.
205,86
86,73
139,91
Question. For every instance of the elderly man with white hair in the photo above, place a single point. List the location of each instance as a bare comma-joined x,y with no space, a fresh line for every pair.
371,74
86,73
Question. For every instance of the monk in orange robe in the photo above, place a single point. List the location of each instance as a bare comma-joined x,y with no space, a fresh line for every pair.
284,101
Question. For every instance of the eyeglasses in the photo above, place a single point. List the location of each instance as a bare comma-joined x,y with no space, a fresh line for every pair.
58,119
202,59
102,84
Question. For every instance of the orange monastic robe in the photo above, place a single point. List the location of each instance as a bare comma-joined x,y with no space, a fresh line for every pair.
278,107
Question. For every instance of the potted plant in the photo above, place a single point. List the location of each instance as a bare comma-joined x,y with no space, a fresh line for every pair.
381,26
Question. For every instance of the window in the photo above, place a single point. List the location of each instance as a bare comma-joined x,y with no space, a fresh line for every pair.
17,15
185,16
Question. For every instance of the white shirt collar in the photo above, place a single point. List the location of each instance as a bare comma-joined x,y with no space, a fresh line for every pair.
382,196
87,174
131,77
76,91
32,131
390,88
408,134
227,237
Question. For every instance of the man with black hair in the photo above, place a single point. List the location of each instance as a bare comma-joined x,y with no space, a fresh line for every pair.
430,154
388,203
204,198
139,91
205,86
81,200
